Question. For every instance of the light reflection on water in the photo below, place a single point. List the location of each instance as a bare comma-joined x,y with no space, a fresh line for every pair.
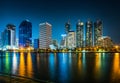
14,65
29,65
63,67
97,67
7,62
22,65
115,73
52,64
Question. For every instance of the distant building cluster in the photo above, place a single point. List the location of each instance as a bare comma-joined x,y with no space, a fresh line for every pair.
87,34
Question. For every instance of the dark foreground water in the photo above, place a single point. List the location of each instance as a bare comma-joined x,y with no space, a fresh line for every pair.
63,67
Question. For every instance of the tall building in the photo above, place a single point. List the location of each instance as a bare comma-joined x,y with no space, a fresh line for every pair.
89,35
71,40
2,39
80,34
98,31
25,33
36,43
9,36
67,27
45,35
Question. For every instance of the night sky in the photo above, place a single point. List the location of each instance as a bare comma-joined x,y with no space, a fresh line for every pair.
57,12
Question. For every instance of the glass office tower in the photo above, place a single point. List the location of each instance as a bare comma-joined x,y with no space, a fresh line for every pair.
25,33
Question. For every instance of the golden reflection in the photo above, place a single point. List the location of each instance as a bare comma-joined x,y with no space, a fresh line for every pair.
22,64
79,61
97,65
116,66
29,64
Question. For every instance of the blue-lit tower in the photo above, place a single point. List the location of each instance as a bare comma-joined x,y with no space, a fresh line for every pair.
25,33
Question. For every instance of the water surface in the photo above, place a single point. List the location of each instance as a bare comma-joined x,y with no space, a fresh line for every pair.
63,67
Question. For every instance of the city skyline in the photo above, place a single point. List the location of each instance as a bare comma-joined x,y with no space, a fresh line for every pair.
59,41
58,12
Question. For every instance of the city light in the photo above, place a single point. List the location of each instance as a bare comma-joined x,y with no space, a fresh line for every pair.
116,46
59,41
71,40
63,35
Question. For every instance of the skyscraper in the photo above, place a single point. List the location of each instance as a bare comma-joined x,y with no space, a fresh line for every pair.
9,36
25,33
89,35
45,35
98,31
80,34
67,27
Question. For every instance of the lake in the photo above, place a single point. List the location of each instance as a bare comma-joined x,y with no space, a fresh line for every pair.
63,67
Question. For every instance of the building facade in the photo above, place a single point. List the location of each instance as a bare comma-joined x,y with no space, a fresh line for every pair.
105,42
25,34
98,31
36,43
63,41
8,36
45,35
89,35
80,34
55,43
71,40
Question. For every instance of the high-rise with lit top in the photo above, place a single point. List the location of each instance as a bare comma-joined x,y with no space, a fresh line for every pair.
89,35
25,33
80,34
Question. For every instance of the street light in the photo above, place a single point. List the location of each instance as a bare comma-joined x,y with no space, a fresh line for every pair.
116,46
